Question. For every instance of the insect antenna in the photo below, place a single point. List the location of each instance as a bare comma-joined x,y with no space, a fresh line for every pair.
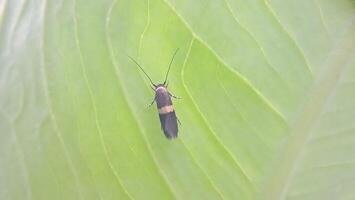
142,71
167,73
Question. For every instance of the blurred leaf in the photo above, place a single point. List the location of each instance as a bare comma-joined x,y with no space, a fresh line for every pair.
267,109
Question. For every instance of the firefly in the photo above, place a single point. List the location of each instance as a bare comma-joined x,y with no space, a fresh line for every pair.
167,116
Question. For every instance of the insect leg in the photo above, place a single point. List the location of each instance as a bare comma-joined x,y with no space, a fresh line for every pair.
178,121
151,103
174,96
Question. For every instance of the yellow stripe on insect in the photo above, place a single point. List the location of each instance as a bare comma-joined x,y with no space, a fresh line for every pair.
166,109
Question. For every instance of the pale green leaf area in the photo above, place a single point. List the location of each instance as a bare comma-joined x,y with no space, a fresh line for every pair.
267,108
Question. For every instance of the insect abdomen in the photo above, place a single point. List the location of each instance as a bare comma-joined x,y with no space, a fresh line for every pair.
169,125
168,120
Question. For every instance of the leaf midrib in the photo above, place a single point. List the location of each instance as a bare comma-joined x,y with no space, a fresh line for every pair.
301,129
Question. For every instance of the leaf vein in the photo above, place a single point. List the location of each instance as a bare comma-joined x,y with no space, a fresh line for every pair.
268,6
272,67
114,62
244,79
206,121
103,144
50,109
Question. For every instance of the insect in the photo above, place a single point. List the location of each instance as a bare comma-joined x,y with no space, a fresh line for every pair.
167,116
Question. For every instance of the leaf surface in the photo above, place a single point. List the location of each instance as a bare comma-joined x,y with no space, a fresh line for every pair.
267,106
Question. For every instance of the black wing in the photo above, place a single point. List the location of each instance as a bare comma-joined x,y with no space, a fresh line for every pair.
169,124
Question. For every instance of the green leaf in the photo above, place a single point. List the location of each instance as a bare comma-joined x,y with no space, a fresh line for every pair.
267,108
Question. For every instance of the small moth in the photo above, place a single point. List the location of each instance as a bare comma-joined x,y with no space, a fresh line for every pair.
167,116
